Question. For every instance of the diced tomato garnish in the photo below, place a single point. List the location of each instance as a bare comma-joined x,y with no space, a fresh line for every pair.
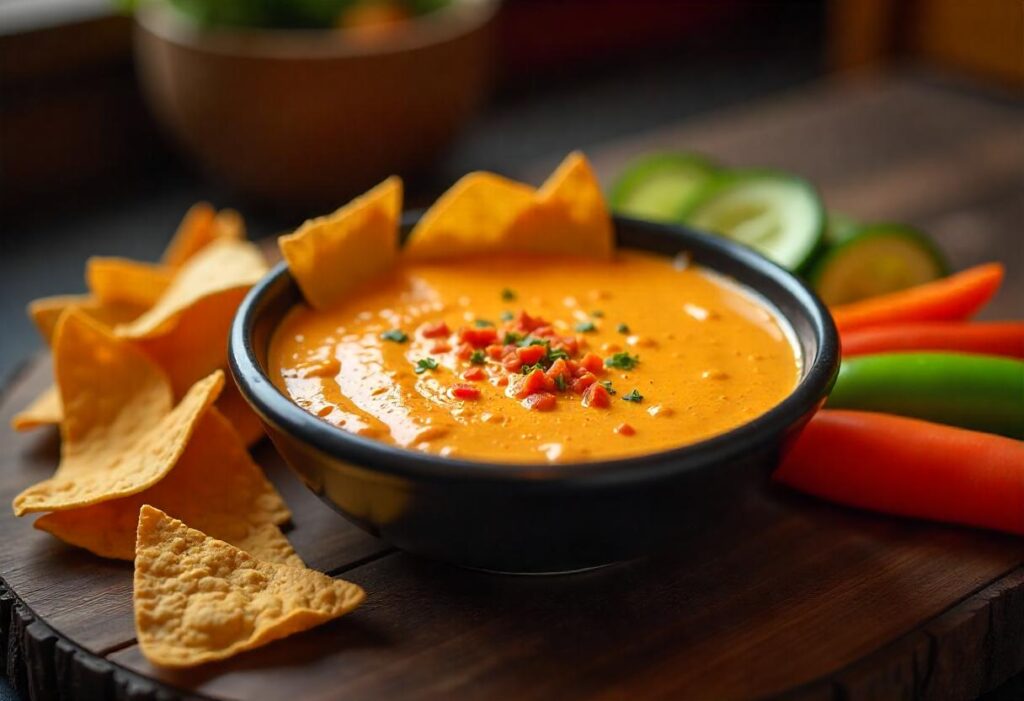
500,381
567,343
559,369
495,351
593,363
464,351
512,363
625,430
477,337
520,386
435,330
582,382
525,322
531,354
544,331
541,401
596,396
440,347
466,392
474,374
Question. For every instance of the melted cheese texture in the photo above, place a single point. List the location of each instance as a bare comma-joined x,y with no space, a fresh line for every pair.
711,356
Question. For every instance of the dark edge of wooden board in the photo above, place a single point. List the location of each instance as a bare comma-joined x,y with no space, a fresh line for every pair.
41,664
926,663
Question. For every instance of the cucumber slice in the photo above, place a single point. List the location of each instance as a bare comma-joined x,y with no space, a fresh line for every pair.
658,187
776,214
875,259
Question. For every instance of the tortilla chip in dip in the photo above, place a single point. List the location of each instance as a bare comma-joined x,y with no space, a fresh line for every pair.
331,255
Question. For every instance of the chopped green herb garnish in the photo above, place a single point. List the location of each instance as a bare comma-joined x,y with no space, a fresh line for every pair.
478,357
622,361
531,341
607,384
508,295
556,353
482,323
527,369
424,364
586,327
622,328
597,313
633,396
507,315
396,335
511,338
560,383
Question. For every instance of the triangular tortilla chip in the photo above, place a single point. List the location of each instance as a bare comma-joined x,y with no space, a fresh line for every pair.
197,344
194,232
569,215
125,281
238,412
222,267
331,255
43,411
215,486
198,599
470,218
46,311
228,224
120,434
200,227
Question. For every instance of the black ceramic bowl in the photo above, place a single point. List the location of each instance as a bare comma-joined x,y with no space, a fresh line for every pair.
543,518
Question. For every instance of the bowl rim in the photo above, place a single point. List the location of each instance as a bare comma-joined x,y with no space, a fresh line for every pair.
455,20
279,410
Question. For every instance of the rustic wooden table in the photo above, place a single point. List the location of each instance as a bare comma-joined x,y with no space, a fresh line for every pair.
798,598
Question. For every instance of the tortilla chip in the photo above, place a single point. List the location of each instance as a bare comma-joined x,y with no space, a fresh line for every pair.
124,281
198,599
238,412
228,224
120,434
222,267
331,255
569,215
197,343
215,486
200,227
472,217
46,311
44,410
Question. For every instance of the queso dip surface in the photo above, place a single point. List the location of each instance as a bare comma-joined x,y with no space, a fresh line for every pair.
538,359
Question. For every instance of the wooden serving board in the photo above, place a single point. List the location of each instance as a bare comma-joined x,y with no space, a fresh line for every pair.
797,598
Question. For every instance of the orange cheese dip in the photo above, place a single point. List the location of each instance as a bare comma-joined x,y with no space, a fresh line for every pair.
539,359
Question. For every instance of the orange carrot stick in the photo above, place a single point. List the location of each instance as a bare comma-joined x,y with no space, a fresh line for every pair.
910,467
948,299
989,338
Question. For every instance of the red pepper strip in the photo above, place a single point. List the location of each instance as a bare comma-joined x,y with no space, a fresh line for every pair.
948,299
910,467
989,338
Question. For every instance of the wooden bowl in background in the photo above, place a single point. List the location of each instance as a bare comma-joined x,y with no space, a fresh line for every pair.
310,117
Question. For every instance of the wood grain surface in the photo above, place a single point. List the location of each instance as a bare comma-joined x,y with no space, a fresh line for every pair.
796,597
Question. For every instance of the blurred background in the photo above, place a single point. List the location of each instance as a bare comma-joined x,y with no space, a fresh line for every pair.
114,118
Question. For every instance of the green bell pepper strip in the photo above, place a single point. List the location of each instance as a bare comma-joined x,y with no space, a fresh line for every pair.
980,392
